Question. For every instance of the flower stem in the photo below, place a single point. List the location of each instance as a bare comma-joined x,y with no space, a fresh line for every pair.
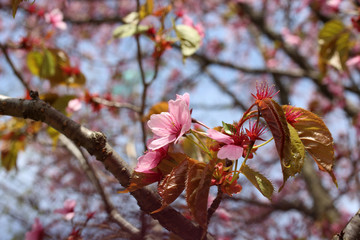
201,145
264,143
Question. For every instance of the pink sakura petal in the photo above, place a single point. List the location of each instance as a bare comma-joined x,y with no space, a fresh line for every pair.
37,231
60,25
353,61
162,124
290,38
74,105
148,161
220,137
185,97
231,152
161,142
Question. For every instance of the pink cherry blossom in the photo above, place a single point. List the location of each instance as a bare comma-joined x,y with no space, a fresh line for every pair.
68,210
150,160
290,38
198,27
74,105
37,231
231,150
168,127
55,17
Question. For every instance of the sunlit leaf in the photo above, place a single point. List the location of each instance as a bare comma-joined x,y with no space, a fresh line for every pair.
132,17
9,152
197,189
128,30
190,39
34,60
229,128
146,9
170,162
316,138
54,135
172,185
276,121
294,154
258,180
48,64
334,45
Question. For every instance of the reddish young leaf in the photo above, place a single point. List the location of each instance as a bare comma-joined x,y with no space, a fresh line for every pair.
197,189
316,138
139,180
276,121
263,184
173,185
294,154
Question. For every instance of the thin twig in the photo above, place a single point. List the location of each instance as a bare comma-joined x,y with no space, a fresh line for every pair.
91,174
116,104
16,72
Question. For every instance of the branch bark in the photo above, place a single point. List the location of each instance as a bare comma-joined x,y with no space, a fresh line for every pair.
351,230
96,144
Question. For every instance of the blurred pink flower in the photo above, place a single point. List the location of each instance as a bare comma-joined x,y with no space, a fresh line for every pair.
231,150
290,38
55,17
169,126
68,210
353,61
74,105
150,160
37,231
198,27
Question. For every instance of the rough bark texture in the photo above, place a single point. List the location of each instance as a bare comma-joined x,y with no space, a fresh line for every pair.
351,230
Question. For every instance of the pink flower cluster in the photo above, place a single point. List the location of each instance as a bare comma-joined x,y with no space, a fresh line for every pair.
167,127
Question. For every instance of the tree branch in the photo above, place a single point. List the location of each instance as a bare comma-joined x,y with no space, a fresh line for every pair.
351,230
90,172
96,144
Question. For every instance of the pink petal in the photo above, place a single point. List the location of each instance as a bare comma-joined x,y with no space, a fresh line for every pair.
231,152
185,97
220,137
162,124
61,25
148,161
161,142
353,61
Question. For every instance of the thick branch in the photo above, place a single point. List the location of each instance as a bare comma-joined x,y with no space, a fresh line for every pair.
351,230
96,144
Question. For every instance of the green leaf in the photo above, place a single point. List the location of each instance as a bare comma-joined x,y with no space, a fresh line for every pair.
258,180
334,43
48,65
229,128
198,184
316,138
294,156
9,152
276,121
172,185
34,61
190,39
128,30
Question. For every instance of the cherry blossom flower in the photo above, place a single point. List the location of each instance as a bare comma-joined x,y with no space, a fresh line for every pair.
55,17
255,131
232,150
150,160
74,105
37,231
68,210
168,127
198,27
290,38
